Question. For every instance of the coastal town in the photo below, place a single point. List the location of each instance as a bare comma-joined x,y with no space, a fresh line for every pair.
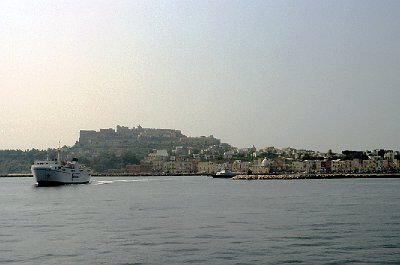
208,155
149,151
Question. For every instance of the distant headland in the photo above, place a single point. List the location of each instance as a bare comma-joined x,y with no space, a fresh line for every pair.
150,151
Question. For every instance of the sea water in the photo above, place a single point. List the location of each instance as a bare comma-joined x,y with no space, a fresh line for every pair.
200,220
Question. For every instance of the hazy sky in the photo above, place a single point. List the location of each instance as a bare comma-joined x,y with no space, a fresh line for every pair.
307,74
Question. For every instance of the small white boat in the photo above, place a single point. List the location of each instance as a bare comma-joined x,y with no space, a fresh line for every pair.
52,172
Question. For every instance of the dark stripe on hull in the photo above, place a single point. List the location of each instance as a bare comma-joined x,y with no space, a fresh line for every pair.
223,176
57,183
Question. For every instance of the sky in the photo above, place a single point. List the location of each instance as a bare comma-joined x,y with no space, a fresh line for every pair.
306,74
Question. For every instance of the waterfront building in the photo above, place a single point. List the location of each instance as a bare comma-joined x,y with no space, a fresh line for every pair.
368,166
240,166
207,167
336,166
385,165
355,165
169,167
298,166
261,166
185,166
396,164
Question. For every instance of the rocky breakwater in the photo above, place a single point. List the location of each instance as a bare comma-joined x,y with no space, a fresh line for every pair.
266,177
313,176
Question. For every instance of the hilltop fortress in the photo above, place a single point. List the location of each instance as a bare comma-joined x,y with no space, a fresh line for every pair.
125,135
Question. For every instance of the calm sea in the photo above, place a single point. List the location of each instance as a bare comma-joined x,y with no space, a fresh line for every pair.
200,220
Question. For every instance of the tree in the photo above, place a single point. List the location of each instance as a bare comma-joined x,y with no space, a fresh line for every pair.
129,157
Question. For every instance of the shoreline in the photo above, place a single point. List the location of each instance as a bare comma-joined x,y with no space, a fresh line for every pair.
239,177
28,175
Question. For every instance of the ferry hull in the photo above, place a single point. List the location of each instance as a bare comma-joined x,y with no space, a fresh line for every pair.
51,177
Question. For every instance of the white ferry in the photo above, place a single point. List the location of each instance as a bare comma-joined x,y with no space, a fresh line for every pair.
52,172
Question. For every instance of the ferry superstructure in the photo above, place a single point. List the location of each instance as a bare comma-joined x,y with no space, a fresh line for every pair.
54,172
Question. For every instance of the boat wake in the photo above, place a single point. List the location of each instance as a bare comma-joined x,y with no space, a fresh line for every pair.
102,182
